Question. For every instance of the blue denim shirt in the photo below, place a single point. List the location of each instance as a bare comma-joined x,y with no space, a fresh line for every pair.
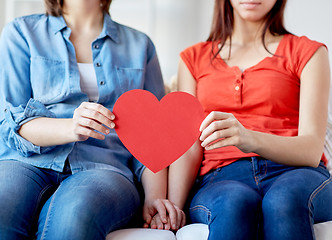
39,77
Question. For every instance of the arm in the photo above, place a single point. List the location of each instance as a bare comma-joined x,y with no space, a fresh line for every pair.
181,177
303,150
88,118
158,212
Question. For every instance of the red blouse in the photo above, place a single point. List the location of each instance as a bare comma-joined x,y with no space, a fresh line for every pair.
264,97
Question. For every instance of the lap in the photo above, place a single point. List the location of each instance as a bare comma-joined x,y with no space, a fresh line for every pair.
269,180
23,190
92,202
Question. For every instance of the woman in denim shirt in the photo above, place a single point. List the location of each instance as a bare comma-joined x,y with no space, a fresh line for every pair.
64,173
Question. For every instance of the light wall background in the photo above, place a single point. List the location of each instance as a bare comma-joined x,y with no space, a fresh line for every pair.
174,25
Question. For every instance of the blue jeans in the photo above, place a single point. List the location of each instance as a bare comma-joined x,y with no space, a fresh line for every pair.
255,198
52,205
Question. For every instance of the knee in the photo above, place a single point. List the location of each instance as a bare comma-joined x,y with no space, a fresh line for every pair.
284,200
237,195
231,198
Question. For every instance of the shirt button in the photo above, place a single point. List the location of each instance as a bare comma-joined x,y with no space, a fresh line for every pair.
96,46
5,110
238,81
102,82
98,64
237,88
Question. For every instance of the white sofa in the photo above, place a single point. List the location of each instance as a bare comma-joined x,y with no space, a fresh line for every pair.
323,231
196,231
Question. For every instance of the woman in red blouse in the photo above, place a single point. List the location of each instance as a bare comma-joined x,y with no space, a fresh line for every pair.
265,93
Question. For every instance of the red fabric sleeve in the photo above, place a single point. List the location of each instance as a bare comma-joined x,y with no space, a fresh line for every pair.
304,50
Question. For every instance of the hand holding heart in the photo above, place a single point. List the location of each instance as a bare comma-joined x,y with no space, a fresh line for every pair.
221,129
158,133
91,120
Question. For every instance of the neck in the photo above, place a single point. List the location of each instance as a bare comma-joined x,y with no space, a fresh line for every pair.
81,15
246,33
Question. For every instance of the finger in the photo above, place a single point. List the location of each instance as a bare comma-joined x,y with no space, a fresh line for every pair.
171,213
159,223
161,208
147,217
153,223
99,108
96,112
84,131
183,220
217,135
216,125
145,225
179,219
92,124
167,226
222,143
212,117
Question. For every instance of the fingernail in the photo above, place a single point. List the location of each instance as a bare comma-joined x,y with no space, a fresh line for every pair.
107,131
112,125
112,117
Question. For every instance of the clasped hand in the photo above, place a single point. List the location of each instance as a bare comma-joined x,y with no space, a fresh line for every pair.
162,214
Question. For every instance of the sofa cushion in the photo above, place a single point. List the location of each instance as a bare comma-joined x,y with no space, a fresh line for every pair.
198,231
141,234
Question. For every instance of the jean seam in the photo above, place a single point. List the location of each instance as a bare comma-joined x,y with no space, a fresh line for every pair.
36,211
203,208
255,177
48,215
311,198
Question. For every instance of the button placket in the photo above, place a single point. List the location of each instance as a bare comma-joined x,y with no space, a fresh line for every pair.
238,88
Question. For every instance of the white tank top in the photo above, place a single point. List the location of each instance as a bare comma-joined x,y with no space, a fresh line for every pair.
88,81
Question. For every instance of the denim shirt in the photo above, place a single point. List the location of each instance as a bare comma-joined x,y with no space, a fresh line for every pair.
39,77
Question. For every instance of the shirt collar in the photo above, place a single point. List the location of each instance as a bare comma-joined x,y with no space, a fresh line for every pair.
109,29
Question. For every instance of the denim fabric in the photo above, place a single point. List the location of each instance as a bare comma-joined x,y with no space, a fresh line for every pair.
39,77
85,205
256,198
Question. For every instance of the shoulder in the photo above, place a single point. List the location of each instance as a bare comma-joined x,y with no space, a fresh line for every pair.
26,22
21,28
299,50
300,43
198,52
198,48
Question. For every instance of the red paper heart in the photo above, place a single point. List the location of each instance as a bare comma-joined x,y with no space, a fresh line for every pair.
157,133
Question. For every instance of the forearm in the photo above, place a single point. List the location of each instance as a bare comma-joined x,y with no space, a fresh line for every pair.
46,132
303,150
182,175
155,184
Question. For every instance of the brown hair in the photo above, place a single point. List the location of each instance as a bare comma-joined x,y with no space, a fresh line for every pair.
54,7
223,20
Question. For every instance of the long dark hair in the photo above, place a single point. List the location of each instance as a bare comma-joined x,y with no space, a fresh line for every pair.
223,21
54,7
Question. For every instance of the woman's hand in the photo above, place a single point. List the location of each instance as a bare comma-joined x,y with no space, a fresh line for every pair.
221,129
162,214
92,120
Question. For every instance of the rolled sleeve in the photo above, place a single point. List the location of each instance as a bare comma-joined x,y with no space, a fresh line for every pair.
14,118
